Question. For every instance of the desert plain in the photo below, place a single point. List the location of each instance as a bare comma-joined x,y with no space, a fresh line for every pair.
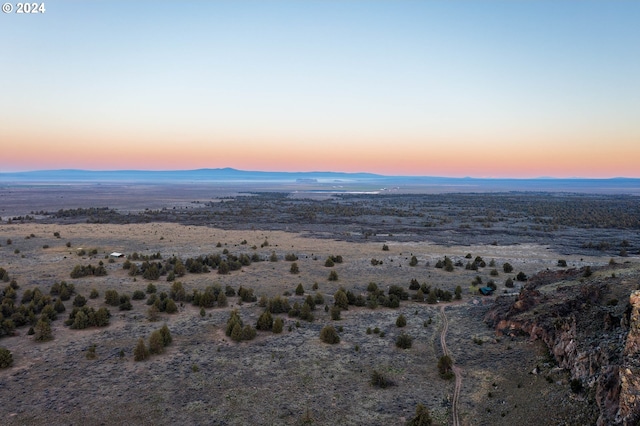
293,377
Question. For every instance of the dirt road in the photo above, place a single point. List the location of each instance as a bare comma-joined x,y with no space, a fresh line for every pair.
457,371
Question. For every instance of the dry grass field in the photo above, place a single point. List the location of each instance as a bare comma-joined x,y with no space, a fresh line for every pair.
204,377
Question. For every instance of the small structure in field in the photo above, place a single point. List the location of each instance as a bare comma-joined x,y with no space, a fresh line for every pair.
116,254
486,291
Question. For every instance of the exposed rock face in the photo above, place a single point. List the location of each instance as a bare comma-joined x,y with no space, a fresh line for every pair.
599,344
630,369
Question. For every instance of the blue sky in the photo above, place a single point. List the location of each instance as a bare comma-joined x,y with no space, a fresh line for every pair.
481,88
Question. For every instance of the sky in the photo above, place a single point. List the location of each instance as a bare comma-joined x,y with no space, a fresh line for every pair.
478,88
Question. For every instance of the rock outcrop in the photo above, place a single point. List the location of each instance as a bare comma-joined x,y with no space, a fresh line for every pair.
597,342
629,374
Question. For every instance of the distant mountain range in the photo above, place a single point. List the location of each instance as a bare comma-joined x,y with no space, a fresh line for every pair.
230,175
224,174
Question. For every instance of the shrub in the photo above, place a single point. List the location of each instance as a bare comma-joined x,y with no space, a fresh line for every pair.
299,290
222,300
234,318
84,317
59,306
153,313
290,257
248,333
562,263
421,418
171,307
401,321
310,300
111,297
246,295
318,299
295,310
507,268
151,288
294,268
414,285
6,358
379,380
79,301
414,261
138,295
101,317
305,312
385,247
404,341
265,321
125,303
458,293
521,276
177,292
156,344
140,353
94,294
91,352
278,305
43,331
341,300
328,334
278,325
399,292
508,283
444,367
329,262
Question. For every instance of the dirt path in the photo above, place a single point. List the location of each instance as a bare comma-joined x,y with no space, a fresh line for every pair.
457,371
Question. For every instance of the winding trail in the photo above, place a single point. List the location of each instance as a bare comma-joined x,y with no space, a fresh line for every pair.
457,371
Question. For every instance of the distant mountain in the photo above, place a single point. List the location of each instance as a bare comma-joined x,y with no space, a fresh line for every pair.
333,181
224,174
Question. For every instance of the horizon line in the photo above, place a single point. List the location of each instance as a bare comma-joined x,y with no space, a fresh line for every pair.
22,172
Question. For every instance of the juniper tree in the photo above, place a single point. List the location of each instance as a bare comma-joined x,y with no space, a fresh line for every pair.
421,418
6,358
265,321
43,330
278,325
156,343
401,321
328,334
140,353
340,300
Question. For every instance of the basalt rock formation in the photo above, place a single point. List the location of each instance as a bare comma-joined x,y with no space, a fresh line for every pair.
583,317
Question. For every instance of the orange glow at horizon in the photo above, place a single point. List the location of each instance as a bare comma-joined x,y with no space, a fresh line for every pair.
415,156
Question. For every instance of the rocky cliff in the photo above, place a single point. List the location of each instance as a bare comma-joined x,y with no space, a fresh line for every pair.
590,329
